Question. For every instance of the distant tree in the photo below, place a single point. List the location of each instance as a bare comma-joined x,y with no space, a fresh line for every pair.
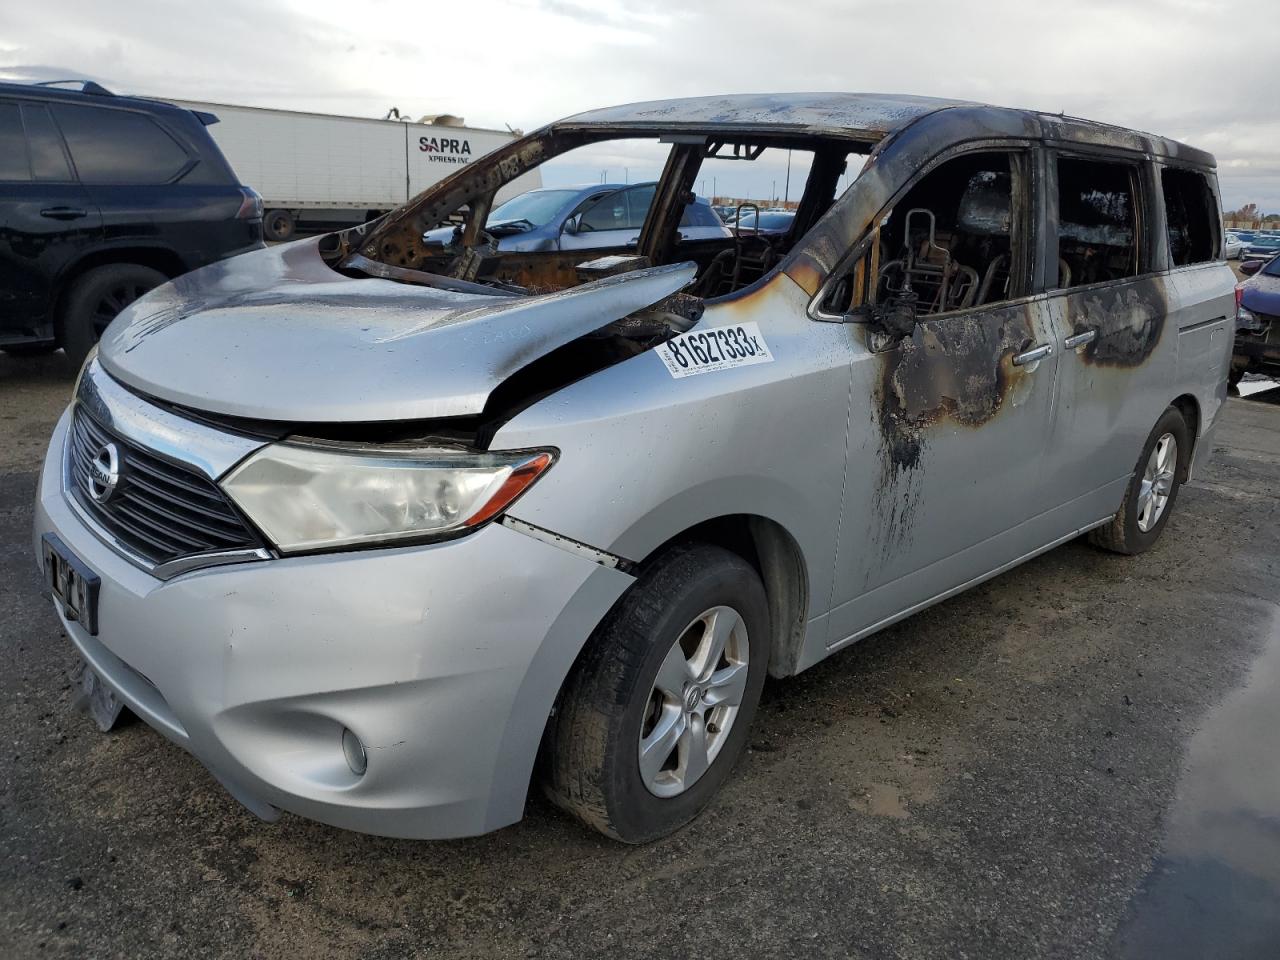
1249,212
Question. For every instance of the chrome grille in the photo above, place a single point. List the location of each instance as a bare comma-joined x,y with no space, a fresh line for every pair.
159,510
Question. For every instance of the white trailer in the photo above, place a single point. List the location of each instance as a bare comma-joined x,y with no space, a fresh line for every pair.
320,171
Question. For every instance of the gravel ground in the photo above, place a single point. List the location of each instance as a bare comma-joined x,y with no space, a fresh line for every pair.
990,778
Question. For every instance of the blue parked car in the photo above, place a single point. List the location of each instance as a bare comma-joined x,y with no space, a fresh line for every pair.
1261,247
584,218
1257,348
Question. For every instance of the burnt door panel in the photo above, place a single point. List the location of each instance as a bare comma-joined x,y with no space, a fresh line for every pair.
945,468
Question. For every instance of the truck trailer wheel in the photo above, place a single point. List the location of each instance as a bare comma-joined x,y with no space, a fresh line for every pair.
278,225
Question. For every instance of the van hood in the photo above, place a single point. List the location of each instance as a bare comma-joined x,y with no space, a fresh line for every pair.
278,335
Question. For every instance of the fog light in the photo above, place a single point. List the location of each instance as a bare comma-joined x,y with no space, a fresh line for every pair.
353,749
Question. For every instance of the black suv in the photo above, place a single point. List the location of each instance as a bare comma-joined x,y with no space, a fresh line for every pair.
102,198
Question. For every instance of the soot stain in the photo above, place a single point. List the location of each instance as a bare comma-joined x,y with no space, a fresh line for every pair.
958,370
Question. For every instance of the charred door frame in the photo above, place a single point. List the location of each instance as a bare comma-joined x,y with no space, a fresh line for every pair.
1026,167
1153,254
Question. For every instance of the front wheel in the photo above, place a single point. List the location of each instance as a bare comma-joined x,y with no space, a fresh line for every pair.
657,709
1152,490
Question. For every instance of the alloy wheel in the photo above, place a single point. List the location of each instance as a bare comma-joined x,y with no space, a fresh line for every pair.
1157,481
694,701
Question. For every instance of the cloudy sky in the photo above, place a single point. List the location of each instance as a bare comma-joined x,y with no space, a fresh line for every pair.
1181,68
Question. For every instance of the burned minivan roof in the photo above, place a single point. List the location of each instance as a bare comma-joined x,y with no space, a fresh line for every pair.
855,116
837,114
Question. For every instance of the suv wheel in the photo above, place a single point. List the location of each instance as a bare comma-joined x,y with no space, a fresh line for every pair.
96,297
657,710
277,225
1153,489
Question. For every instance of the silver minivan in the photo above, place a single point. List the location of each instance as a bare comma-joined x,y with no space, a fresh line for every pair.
386,533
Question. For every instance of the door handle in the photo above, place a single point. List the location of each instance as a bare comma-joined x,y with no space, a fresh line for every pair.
63,213
1080,339
1034,354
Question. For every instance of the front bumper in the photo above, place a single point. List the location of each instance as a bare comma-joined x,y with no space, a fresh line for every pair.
444,660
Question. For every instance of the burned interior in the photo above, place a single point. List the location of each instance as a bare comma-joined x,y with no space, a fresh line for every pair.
949,243
470,260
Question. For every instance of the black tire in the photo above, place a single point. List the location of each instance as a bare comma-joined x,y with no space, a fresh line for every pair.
1123,534
1234,376
591,764
95,298
278,225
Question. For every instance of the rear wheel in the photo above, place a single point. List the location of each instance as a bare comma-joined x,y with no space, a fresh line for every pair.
657,710
1153,489
96,297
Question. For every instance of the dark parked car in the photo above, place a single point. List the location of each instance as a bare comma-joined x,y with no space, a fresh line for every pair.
101,199
1261,247
1257,322
773,222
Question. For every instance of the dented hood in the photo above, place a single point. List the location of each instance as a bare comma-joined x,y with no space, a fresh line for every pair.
277,335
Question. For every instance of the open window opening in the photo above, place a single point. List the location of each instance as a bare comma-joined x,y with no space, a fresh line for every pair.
1098,236
955,240
1191,215
583,225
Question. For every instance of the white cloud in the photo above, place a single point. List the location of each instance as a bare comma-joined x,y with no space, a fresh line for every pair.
1181,68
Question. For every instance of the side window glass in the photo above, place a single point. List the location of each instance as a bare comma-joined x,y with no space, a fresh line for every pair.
1190,216
13,145
48,157
608,213
950,242
639,200
119,146
1097,222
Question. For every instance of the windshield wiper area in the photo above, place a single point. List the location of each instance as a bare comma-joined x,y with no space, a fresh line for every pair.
509,226
386,271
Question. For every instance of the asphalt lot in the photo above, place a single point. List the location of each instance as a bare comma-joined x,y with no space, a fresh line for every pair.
1043,766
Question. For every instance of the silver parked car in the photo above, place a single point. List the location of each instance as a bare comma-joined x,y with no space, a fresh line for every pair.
369,526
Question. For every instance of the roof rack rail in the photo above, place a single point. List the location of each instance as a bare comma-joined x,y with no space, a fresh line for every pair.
86,86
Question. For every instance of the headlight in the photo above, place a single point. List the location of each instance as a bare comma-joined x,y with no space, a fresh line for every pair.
1248,321
310,496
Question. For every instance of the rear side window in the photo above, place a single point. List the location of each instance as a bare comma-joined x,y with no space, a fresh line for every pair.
13,145
119,146
1191,215
1098,237
48,156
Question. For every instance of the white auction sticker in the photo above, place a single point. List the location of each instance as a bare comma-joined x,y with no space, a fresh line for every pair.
718,348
